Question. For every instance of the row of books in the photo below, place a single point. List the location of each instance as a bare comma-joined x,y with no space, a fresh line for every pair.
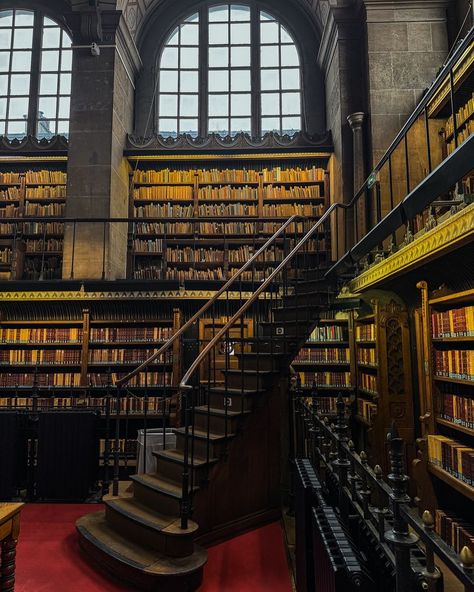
46,192
166,228
163,176
53,209
67,379
366,409
328,333
458,364
163,192
148,379
128,405
43,228
10,194
182,275
457,322
48,269
462,116
148,246
368,382
463,134
40,245
164,211
251,276
40,356
334,379
295,209
365,332
453,457
9,178
327,405
272,192
454,531
130,334
278,174
246,252
235,209
191,255
366,355
125,356
45,177
10,211
5,256
40,335
228,193
323,354
458,410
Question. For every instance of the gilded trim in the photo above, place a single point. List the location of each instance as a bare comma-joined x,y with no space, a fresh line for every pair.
200,157
456,229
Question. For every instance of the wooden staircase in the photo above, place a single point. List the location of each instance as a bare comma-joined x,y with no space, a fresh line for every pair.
230,451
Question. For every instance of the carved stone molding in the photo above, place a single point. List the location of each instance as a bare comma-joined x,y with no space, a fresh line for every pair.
241,141
31,145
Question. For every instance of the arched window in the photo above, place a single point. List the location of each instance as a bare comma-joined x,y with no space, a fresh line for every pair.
229,68
35,75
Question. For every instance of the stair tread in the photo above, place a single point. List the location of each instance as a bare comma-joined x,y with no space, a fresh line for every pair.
130,507
178,457
220,412
232,392
203,435
159,484
96,530
248,372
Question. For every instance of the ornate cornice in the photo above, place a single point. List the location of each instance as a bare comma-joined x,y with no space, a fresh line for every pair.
31,145
242,141
457,229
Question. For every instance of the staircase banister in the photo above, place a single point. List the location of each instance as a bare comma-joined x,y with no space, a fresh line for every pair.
197,362
165,347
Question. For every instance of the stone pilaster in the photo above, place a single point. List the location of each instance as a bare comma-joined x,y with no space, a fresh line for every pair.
356,122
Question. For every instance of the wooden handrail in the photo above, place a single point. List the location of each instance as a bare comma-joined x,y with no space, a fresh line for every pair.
122,381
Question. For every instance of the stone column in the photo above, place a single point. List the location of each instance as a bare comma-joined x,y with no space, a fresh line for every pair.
356,122
101,116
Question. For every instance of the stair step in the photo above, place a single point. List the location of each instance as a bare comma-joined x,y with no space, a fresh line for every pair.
177,457
133,509
159,485
219,412
202,435
135,563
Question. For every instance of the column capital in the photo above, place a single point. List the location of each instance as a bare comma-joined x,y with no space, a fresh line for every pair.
356,120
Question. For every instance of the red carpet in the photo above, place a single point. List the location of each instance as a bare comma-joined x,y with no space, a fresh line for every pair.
48,558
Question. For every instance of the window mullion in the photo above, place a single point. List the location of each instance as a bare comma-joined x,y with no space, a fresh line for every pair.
35,74
203,122
256,105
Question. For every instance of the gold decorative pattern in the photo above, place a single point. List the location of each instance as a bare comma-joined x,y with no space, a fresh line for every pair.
212,157
43,296
457,228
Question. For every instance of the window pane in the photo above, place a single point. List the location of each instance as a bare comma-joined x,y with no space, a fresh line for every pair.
64,107
174,39
5,38
22,38
47,22
240,33
4,84
240,56
290,79
188,106
270,80
219,81
65,84
52,37
240,105
194,18
220,126
47,105
269,32
20,84
240,80
189,35
291,125
18,108
188,126
270,104
24,18
218,13
169,57
66,60
218,105
269,56
6,18
4,61
289,56
2,128
3,108
21,61
218,34
169,80
66,41
270,124
63,127
189,57
16,128
264,16
49,84
50,60
189,82
239,12
291,104
241,124
168,127
285,37
168,106
218,57
46,127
